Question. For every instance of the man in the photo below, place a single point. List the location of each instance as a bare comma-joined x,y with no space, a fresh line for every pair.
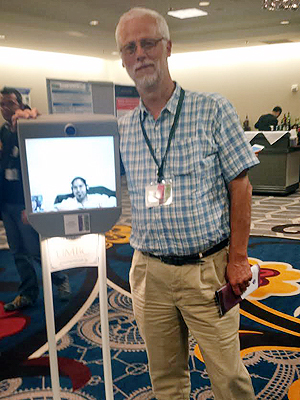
266,121
180,180
22,239
81,199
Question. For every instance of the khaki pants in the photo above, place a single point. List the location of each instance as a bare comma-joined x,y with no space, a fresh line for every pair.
168,301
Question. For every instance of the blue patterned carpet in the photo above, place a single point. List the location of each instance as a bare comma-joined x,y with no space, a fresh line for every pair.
270,333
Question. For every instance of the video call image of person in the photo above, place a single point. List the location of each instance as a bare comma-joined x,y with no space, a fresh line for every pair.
81,198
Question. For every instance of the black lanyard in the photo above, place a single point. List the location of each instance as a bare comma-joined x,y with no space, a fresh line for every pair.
160,172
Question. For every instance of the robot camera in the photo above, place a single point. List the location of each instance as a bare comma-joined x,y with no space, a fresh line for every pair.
70,130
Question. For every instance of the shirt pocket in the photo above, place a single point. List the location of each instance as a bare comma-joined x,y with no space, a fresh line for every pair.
184,160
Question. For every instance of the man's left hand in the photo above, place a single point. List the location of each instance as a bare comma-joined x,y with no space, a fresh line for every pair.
26,114
239,276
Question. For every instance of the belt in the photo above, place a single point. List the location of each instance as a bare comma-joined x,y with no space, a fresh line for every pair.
189,259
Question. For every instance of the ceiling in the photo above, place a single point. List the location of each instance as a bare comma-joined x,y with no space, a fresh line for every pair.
63,25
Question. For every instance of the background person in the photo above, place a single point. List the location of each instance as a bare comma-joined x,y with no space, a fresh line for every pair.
23,240
82,199
181,255
265,121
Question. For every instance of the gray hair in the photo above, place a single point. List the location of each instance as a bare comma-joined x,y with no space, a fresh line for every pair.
161,23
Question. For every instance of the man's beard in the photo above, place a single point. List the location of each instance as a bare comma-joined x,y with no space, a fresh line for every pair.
80,197
147,81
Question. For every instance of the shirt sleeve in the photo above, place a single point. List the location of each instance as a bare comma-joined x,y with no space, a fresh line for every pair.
234,150
257,124
66,204
105,201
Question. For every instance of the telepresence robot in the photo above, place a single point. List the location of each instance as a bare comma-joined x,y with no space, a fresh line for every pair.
71,177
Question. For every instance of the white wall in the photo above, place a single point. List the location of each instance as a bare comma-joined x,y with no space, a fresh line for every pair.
254,79
29,69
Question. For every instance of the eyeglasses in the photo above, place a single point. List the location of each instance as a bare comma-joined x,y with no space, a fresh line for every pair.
146,44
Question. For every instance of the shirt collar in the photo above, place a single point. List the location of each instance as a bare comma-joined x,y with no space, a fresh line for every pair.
170,106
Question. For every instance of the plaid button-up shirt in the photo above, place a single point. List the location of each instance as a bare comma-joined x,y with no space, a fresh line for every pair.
209,150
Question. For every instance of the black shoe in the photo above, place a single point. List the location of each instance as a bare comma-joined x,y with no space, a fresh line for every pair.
64,290
21,301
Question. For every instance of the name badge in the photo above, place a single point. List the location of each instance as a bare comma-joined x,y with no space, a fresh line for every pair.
159,194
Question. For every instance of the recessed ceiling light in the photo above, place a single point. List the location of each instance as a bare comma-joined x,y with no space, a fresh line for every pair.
284,22
2,37
204,3
187,13
94,23
115,53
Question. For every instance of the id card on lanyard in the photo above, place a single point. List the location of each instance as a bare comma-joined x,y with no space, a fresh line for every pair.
160,193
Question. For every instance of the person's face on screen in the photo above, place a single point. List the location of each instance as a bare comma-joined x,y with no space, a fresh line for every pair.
79,190
8,106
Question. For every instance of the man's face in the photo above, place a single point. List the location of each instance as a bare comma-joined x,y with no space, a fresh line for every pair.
79,190
8,106
146,67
